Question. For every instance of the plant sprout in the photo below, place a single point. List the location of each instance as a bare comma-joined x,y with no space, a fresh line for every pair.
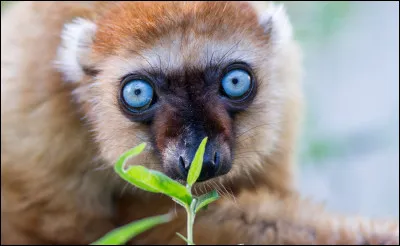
157,182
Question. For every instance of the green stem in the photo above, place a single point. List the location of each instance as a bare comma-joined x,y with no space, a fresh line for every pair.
190,220
189,228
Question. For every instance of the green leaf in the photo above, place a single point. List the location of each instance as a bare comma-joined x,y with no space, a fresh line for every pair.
150,180
119,166
134,174
123,234
197,163
184,239
206,199
158,182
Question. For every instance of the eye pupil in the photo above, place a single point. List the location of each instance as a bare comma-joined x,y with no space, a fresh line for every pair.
235,81
137,92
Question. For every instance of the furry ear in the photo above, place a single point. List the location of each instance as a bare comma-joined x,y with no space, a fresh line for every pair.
73,52
276,23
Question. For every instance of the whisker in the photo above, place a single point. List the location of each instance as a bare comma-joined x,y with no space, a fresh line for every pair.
241,134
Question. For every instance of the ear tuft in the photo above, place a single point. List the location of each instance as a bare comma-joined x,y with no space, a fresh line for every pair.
276,23
76,40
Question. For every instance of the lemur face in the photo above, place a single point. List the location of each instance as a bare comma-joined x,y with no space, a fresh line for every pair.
187,103
171,74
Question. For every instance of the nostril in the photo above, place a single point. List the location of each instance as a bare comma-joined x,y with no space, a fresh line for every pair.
211,166
216,160
181,167
182,164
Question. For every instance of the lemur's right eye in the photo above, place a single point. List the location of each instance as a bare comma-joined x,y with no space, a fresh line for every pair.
137,94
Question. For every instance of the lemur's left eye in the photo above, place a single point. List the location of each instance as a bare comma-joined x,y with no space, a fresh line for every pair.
236,83
137,94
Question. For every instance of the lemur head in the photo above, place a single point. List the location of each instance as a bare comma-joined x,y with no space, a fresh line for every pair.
172,73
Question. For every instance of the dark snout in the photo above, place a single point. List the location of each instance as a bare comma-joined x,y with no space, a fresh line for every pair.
216,160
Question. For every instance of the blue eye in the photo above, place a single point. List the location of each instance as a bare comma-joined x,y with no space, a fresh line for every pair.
236,83
138,94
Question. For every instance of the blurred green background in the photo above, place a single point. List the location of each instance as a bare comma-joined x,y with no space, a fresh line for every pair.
349,147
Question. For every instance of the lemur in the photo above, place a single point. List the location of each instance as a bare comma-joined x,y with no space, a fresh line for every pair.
82,82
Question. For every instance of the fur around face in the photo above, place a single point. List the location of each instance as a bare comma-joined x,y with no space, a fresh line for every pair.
132,36
63,128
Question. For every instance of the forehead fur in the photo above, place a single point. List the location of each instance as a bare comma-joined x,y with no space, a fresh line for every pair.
146,22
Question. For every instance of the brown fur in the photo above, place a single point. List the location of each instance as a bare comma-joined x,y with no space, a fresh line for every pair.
59,140
147,22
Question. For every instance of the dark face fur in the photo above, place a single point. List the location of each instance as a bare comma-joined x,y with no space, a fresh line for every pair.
188,105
